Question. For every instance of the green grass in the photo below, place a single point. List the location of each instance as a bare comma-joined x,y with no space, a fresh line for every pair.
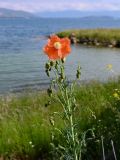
101,37
25,119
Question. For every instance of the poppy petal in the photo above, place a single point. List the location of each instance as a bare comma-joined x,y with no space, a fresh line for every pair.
52,53
55,53
53,39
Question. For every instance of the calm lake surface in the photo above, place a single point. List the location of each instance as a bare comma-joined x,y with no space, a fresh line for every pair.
22,60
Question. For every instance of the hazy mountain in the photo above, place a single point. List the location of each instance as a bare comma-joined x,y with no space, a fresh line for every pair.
73,13
8,13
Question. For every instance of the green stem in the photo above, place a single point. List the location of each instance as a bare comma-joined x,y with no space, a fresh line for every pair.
67,106
73,137
71,125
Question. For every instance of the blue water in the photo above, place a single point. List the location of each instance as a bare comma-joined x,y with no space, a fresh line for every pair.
22,60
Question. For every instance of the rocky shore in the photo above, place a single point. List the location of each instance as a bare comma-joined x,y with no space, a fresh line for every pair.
96,37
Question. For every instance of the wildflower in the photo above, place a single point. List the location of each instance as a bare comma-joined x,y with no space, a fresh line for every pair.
109,66
115,95
30,142
33,146
57,48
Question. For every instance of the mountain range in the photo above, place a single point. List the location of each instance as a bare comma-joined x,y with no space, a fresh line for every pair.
9,13
77,14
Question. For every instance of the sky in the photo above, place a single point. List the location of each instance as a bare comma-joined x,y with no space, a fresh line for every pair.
60,5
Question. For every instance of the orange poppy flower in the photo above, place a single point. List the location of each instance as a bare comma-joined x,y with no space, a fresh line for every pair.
57,48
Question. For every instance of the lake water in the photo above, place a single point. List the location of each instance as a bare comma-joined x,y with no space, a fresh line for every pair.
22,60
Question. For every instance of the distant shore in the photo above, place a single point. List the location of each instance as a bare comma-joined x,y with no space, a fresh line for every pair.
94,37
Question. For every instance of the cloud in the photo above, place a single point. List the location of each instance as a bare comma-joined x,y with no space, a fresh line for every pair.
54,5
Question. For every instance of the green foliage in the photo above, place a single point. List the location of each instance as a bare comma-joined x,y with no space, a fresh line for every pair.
99,37
25,129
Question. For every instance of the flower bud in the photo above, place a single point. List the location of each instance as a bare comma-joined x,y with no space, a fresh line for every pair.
47,66
63,60
62,75
49,69
51,63
56,65
57,62
78,75
60,79
47,72
62,70
49,92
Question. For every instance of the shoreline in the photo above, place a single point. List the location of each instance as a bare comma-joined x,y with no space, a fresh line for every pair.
93,37
43,88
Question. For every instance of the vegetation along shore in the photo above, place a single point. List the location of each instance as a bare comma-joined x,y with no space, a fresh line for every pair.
25,128
94,37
